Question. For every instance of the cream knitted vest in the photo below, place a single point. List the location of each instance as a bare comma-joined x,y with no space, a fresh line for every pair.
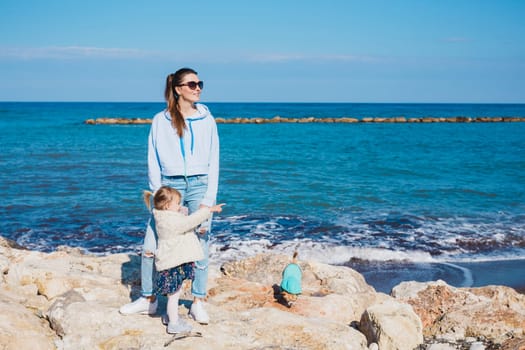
177,241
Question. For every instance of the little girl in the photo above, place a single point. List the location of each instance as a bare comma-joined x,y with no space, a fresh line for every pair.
178,248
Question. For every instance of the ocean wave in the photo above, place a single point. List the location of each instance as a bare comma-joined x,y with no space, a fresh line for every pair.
392,237
327,253
385,237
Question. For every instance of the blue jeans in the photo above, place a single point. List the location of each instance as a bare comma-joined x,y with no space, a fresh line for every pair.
192,189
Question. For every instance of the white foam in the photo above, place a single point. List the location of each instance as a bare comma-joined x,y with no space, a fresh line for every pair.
468,280
328,253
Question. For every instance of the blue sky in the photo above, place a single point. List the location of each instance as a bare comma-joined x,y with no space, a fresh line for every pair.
265,51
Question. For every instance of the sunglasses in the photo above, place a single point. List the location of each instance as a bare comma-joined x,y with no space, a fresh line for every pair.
193,84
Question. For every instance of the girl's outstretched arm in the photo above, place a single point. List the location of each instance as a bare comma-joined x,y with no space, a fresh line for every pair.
217,208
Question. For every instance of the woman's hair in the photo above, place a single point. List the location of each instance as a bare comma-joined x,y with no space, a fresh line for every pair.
171,96
162,198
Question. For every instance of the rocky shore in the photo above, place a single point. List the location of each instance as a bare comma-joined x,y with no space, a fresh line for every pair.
278,119
70,300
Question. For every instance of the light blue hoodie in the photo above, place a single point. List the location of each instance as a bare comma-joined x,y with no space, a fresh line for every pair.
196,153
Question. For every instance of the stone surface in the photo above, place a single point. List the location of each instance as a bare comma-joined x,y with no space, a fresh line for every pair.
69,300
495,313
392,325
23,327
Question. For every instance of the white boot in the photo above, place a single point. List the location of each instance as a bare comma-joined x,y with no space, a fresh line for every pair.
198,313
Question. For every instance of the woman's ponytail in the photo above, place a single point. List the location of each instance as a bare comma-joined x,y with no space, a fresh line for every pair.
172,81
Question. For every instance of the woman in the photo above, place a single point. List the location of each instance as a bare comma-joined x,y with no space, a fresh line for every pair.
183,153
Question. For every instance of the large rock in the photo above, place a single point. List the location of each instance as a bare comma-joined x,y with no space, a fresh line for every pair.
22,327
69,300
496,313
392,325
332,292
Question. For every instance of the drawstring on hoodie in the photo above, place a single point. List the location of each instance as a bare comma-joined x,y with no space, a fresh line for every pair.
190,121
183,150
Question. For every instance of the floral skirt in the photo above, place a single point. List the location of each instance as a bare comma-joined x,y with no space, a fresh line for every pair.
170,281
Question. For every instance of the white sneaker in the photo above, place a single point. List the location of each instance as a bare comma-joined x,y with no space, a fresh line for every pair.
178,327
198,313
140,306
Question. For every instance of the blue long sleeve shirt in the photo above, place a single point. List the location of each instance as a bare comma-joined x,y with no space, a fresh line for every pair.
195,153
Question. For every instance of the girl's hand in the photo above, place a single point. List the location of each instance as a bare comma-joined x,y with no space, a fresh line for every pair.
214,209
217,208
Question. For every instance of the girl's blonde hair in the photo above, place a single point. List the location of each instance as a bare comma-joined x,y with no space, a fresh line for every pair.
163,197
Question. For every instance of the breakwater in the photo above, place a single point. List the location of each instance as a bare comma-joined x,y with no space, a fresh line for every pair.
279,119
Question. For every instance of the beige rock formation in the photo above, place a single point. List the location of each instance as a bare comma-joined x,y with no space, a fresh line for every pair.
392,325
69,300
496,313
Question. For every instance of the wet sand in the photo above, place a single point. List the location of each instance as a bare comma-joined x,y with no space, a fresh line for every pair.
383,276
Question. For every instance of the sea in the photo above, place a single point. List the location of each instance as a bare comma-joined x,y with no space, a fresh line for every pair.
422,201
